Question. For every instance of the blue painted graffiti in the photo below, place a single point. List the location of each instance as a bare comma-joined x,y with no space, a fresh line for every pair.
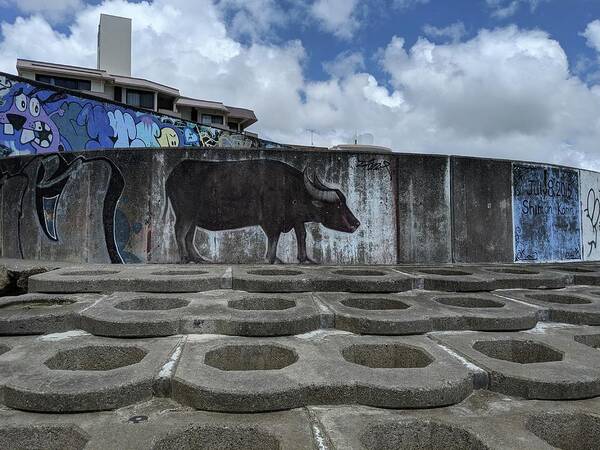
546,211
37,119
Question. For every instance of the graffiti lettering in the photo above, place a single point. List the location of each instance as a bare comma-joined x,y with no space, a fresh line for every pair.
592,214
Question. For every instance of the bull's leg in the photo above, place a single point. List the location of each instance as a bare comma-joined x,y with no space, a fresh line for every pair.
301,243
181,230
193,254
272,242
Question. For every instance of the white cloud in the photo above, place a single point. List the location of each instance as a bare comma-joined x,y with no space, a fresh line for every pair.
592,34
336,16
455,32
406,4
504,93
54,10
501,9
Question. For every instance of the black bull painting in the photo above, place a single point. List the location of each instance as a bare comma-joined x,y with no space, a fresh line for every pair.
229,195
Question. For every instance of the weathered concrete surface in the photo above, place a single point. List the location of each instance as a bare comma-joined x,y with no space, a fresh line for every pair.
417,312
130,314
71,372
16,272
575,304
424,218
485,420
531,365
481,215
313,278
41,313
156,424
132,278
583,274
251,375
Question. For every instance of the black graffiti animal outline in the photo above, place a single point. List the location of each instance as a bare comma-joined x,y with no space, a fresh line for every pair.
592,213
227,195
50,184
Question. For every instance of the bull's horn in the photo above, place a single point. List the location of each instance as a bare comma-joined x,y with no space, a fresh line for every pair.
319,194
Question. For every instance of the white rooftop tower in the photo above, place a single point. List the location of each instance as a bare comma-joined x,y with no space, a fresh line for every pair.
114,45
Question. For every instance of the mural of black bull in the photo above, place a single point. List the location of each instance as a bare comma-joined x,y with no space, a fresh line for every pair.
267,193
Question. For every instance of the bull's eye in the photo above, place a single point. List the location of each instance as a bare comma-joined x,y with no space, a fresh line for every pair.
34,107
21,102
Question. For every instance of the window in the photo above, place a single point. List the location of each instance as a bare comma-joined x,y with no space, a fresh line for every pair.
233,126
165,102
118,94
194,117
209,119
141,99
67,83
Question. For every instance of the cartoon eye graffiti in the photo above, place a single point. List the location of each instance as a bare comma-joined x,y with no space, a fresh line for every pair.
34,107
21,102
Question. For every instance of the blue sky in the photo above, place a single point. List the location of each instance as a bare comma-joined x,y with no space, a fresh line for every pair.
502,78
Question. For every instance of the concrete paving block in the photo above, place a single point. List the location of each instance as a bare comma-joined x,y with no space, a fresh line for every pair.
264,374
485,420
518,276
129,314
240,313
530,365
72,371
133,278
575,304
157,424
417,312
451,278
581,273
41,313
19,271
320,278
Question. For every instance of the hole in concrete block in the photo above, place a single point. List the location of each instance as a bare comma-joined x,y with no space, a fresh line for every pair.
261,304
4,348
274,272
563,299
470,302
359,273
24,305
513,271
567,431
95,357
374,304
522,352
182,272
219,438
51,437
591,340
445,272
419,434
250,357
152,304
89,273
387,356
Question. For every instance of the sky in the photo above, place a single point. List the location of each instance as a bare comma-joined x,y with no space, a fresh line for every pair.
516,79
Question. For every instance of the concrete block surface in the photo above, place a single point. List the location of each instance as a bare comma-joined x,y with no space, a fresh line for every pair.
575,304
251,375
72,371
133,278
531,365
42,313
322,278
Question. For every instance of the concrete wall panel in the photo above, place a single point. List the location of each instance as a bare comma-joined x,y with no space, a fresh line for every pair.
424,218
547,214
590,213
482,219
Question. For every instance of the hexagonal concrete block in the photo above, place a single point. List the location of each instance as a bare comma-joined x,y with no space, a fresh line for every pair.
133,278
156,424
419,312
576,304
251,375
582,273
128,314
41,313
71,372
531,365
320,278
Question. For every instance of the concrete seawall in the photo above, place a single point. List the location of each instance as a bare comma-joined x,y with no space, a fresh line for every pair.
232,205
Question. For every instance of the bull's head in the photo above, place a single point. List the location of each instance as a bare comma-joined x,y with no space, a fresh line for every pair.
330,205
